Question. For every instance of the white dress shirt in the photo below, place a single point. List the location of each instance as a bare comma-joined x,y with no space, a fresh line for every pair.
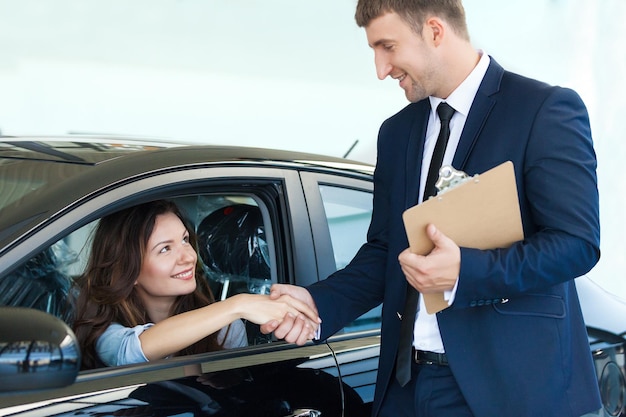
426,334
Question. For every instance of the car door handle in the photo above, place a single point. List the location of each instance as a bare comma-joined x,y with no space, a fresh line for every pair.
305,412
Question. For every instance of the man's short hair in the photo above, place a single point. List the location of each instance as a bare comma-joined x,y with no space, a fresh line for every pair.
415,13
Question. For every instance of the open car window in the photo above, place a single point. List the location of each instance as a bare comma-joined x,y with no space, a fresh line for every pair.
235,248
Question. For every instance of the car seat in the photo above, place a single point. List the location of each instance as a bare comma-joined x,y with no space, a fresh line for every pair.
233,249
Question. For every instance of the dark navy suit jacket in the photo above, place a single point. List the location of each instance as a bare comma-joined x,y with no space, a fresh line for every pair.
514,336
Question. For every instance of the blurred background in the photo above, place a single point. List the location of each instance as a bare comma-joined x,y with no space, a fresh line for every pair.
287,74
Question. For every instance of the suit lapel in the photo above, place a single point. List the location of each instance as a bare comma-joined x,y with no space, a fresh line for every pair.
415,152
478,114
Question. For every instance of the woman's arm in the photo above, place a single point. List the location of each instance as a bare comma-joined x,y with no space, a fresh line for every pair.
177,332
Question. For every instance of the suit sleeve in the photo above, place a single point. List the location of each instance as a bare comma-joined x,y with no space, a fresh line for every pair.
359,287
559,200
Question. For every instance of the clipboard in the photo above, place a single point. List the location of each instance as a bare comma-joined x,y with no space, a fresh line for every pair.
480,212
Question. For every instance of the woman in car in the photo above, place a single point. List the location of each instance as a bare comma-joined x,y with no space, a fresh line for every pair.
143,295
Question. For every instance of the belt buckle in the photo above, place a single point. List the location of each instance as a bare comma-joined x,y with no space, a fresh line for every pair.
423,360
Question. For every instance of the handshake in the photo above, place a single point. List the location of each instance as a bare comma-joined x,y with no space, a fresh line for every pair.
289,312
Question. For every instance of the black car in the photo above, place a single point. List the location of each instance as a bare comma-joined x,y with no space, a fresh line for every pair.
314,212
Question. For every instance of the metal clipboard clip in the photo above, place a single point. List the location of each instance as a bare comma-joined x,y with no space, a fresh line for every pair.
450,178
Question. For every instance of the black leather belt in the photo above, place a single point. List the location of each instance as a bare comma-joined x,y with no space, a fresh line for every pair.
429,358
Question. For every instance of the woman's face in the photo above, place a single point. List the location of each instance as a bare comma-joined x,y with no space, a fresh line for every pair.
169,264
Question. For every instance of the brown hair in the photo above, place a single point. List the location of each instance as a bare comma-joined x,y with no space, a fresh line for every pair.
414,13
106,290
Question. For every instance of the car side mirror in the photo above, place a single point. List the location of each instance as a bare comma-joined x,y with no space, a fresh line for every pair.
37,350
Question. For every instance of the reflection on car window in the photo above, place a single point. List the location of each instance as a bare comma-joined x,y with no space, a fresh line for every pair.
348,213
40,283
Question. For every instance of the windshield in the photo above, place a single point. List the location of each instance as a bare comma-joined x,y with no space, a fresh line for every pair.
29,165
284,74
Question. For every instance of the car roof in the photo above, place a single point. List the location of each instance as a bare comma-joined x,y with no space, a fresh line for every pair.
92,150
63,170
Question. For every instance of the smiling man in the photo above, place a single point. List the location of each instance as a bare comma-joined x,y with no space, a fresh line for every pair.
512,341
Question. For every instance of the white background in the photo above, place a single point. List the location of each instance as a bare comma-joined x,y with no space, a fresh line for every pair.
288,74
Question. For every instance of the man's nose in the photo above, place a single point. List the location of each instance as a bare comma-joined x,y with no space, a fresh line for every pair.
383,67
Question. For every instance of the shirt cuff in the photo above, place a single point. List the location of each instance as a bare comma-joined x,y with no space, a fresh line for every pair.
318,332
451,294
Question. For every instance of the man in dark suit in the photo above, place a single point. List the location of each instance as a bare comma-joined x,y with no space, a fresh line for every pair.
512,341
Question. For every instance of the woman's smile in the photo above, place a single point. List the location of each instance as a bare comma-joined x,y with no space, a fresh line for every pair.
186,275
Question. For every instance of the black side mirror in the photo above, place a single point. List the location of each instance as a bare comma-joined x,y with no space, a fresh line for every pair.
37,350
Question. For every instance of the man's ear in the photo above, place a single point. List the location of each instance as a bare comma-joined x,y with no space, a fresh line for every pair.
434,30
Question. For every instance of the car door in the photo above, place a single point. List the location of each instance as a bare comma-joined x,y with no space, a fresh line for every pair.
266,378
340,212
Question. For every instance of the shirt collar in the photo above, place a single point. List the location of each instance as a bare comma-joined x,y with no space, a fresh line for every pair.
462,97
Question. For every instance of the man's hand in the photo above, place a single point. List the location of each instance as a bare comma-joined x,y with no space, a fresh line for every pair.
294,329
436,272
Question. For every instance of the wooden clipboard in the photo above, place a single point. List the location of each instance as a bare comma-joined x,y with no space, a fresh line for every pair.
482,212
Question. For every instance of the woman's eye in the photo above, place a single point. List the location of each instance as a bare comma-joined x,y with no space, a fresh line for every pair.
164,249
186,239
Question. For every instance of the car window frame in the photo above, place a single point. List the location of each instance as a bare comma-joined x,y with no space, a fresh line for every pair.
312,182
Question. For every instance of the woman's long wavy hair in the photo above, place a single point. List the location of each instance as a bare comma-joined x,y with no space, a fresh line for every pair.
106,290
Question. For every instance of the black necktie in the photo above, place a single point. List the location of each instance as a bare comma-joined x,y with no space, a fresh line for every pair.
403,360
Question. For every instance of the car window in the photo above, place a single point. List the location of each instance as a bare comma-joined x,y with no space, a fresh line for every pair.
41,282
235,248
348,213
